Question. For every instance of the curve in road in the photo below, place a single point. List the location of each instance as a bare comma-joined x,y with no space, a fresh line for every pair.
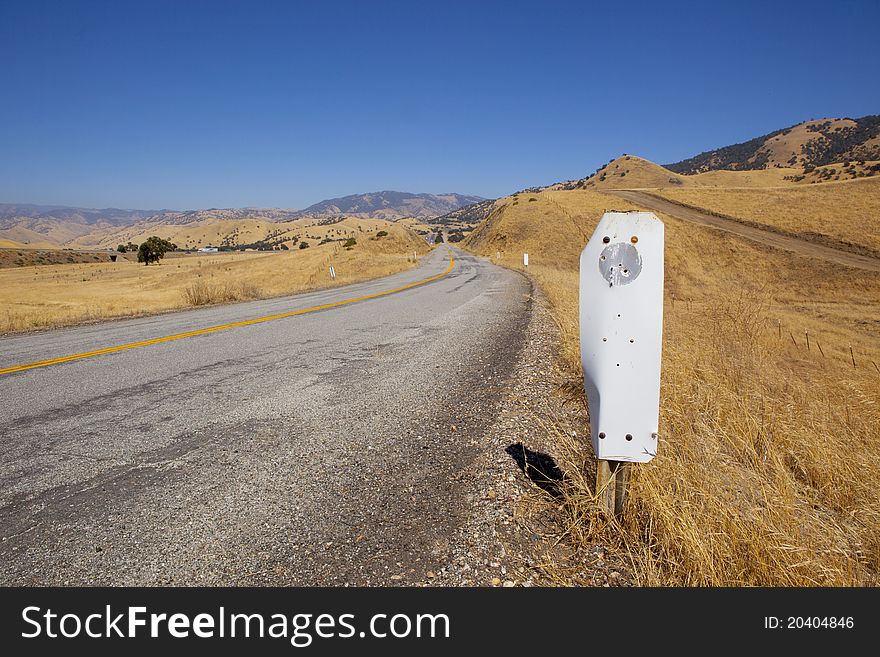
327,448
222,327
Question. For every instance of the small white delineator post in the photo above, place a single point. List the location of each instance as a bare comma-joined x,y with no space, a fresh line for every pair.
621,325
332,273
525,259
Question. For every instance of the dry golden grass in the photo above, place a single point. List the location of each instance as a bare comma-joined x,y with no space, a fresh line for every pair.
847,211
632,172
766,473
221,232
58,295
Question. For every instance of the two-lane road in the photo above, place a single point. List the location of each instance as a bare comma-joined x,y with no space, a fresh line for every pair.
314,448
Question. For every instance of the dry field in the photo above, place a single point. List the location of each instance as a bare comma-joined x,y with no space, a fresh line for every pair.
58,295
766,473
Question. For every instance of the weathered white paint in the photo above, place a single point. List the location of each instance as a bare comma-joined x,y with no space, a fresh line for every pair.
525,259
621,325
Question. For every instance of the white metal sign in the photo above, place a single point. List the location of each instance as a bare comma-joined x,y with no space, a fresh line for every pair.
332,273
525,259
621,325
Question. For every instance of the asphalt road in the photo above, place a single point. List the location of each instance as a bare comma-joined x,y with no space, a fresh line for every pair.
323,448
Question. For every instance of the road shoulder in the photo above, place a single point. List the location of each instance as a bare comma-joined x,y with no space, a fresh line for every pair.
516,534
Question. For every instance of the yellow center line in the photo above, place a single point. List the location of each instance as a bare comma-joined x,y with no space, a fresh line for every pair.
222,327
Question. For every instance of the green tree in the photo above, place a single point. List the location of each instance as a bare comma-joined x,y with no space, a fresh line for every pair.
382,233
350,242
438,237
154,249
121,248
303,245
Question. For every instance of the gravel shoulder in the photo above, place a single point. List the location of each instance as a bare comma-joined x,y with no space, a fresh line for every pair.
516,534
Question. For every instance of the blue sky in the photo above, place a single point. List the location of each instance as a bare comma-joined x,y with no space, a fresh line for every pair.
227,104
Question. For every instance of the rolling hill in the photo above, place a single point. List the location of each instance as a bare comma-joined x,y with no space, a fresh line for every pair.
806,145
389,205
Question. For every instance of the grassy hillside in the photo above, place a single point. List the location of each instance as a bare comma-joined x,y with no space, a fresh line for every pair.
631,172
809,144
233,232
847,212
766,473
58,295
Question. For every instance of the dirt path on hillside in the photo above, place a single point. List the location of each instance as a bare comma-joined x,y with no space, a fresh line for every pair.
787,242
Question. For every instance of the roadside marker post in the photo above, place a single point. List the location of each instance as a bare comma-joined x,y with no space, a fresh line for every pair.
332,273
621,331
525,259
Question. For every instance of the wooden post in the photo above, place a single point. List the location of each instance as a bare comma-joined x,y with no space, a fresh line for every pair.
852,355
621,481
794,342
820,349
807,333
605,492
779,328
612,478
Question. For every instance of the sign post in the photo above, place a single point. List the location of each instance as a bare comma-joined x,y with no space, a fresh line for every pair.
332,273
621,324
525,259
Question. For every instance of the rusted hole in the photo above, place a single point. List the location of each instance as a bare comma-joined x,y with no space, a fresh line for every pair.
601,434
629,436
633,239
606,239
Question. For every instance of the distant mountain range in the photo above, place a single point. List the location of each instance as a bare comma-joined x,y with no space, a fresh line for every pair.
389,205
110,216
55,224
52,225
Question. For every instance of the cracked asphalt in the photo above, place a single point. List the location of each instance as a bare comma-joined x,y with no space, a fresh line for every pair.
331,448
